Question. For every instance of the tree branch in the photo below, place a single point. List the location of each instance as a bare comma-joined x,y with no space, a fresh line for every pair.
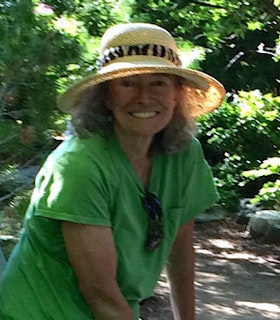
269,7
204,4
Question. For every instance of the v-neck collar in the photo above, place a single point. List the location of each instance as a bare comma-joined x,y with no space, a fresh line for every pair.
124,161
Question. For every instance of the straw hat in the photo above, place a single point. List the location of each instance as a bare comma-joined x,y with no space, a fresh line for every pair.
140,48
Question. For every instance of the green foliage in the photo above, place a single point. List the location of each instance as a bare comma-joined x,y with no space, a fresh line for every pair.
208,23
9,134
98,15
47,45
34,55
15,193
244,60
238,137
269,194
61,6
240,37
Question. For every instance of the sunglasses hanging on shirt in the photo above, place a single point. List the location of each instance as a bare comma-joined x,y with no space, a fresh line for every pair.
153,209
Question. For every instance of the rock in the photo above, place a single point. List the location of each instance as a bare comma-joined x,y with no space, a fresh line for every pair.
265,224
25,175
243,217
215,213
246,211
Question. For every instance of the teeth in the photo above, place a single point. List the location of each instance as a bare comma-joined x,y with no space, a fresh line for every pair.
144,114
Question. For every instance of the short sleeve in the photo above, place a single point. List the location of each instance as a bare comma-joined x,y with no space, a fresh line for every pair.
200,191
72,188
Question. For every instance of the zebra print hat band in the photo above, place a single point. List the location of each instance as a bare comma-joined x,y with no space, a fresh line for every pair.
131,49
155,50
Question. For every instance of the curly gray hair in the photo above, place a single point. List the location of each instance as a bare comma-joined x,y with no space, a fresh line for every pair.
93,116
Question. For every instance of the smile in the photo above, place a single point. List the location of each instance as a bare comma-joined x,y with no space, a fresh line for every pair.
143,115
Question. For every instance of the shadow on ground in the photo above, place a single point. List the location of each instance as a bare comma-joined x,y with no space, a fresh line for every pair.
231,288
236,278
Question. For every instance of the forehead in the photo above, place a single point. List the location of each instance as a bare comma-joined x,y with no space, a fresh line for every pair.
150,76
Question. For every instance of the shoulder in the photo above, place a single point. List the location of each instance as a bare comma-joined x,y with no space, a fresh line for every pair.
190,153
76,157
79,149
190,161
193,148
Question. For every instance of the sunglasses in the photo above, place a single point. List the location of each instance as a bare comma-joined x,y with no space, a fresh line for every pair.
152,206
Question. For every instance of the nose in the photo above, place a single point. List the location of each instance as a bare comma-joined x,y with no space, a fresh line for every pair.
143,94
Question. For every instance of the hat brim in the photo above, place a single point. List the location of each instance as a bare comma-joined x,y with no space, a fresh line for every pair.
204,92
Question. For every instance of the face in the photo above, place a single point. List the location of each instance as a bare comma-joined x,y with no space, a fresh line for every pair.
143,105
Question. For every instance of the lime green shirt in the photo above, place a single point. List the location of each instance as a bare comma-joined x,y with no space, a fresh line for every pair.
91,181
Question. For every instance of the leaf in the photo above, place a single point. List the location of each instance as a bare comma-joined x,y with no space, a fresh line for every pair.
256,173
255,25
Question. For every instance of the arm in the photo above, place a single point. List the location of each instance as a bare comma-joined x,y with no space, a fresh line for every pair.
180,271
92,253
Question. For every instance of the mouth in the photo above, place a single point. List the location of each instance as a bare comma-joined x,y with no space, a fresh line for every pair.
144,115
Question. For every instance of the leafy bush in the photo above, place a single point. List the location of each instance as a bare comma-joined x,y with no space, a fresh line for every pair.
237,137
46,44
269,194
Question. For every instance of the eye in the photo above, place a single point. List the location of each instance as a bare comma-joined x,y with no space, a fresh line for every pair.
159,83
127,82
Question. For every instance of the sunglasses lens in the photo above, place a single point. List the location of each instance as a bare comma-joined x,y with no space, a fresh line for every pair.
152,206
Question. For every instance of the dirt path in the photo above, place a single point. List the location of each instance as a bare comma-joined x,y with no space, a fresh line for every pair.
236,277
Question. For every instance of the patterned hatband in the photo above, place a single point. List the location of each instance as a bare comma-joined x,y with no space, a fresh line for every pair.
155,50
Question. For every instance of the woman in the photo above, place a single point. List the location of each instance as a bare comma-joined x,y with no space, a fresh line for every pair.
115,203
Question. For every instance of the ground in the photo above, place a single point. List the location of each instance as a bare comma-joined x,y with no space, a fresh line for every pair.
237,277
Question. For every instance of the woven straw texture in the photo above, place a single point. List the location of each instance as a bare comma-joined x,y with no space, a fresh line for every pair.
204,92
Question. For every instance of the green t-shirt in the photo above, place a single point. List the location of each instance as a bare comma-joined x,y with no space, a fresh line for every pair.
91,181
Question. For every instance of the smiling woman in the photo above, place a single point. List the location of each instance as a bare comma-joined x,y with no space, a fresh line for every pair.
115,202
142,105
95,111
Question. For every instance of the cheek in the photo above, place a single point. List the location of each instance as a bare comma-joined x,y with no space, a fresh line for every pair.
173,103
117,97
172,97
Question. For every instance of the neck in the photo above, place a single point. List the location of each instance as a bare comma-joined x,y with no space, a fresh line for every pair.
137,150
